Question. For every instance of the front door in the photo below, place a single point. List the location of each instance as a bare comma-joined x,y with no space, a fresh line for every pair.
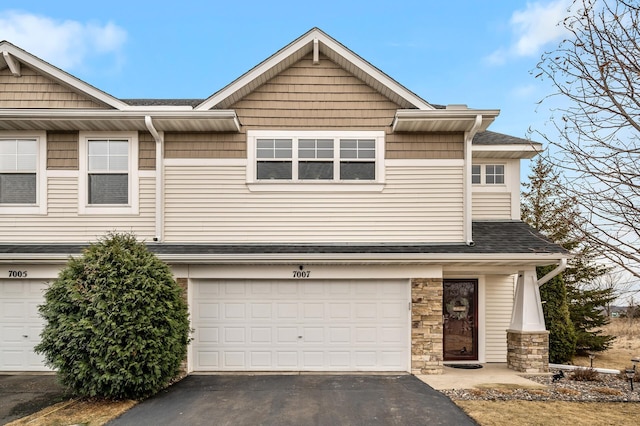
460,313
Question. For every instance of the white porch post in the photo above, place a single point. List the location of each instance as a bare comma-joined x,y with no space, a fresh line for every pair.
527,308
527,338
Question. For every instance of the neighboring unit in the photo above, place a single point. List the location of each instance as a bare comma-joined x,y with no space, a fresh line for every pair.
321,216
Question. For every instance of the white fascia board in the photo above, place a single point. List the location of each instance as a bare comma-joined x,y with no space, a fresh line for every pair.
62,77
306,42
93,114
525,151
466,115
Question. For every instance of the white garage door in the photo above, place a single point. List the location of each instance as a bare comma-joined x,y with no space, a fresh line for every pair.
300,325
20,325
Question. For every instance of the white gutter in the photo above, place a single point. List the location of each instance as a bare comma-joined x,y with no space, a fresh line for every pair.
467,198
555,272
148,121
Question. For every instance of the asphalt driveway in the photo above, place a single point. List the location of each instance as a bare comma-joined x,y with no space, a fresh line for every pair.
297,400
23,394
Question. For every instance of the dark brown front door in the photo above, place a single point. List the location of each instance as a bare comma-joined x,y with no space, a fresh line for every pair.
460,312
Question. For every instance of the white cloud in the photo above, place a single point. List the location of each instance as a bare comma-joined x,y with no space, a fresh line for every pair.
65,44
533,28
524,92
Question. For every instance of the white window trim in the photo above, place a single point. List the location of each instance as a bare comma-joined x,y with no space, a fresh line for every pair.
40,208
483,186
84,208
256,185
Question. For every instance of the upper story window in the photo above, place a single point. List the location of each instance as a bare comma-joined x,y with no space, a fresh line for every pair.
316,157
108,173
18,171
489,174
23,173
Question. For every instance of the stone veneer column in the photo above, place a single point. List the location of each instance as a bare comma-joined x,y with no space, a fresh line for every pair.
426,326
528,351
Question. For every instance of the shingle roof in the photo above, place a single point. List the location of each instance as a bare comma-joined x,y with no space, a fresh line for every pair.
511,237
492,138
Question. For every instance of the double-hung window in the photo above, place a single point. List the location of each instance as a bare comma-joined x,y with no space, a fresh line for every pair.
109,173
315,157
22,169
18,171
488,174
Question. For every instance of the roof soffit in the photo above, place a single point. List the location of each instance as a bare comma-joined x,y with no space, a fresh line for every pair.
295,51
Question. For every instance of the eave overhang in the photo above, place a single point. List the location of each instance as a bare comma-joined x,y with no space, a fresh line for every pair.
507,151
114,120
442,120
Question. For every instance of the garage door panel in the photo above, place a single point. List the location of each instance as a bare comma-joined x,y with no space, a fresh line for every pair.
21,325
302,325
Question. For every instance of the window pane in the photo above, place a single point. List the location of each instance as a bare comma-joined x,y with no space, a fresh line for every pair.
27,163
490,170
475,174
265,153
98,148
27,147
499,179
274,170
118,164
315,170
108,189
97,164
119,148
350,170
490,179
7,163
8,147
18,188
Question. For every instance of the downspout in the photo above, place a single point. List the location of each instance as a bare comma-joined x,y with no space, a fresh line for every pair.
467,197
561,267
159,178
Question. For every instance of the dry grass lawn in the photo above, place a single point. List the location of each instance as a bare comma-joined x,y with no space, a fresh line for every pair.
530,413
72,412
548,413
486,413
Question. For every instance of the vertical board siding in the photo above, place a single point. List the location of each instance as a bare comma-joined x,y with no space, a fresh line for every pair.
212,204
62,223
491,205
499,304
62,150
33,90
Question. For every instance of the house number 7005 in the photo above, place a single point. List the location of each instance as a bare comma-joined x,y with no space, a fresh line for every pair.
17,274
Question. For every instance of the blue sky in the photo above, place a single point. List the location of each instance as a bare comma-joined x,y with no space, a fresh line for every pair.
479,53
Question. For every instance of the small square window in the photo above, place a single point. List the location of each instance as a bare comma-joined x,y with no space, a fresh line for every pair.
494,174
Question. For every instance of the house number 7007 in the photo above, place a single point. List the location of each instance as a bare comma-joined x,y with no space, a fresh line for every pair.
301,274
17,274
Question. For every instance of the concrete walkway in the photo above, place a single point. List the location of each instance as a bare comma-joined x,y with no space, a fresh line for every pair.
489,374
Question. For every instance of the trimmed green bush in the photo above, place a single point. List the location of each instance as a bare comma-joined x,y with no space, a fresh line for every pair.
117,324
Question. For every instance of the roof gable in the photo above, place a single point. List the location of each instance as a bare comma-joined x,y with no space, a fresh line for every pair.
315,41
15,60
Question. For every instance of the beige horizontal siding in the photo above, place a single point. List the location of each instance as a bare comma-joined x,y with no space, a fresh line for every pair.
33,90
62,223
212,204
499,304
62,150
491,205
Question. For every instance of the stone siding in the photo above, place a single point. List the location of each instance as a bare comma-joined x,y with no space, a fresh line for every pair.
528,351
426,326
